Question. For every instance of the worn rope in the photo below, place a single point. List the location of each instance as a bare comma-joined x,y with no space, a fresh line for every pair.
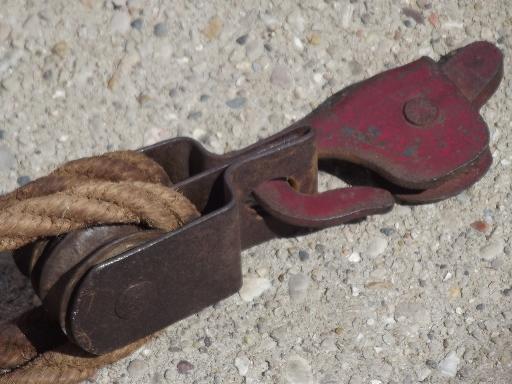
64,363
123,187
119,187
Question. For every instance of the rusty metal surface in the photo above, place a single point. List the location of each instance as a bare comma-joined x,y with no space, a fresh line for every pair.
451,187
415,131
196,265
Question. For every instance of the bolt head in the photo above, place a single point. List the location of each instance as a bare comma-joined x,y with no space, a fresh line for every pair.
420,111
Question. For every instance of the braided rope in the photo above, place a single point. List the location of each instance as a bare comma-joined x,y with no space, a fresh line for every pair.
116,188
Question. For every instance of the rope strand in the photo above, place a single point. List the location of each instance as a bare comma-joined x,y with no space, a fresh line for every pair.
116,188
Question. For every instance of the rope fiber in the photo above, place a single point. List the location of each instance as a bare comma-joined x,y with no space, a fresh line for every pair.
124,187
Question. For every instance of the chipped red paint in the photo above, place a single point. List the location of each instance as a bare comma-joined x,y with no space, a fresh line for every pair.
418,126
366,123
319,210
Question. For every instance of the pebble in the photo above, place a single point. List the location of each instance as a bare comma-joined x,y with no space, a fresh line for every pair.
59,94
280,334
120,22
298,371
194,115
413,14
184,367
254,49
454,292
242,39
5,30
480,226
135,5
303,255
47,75
318,78
236,103
448,366
488,215
10,59
314,39
433,19
346,17
365,18
280,76
213,28
253,287
136,368
424,4
11,84
422,373
60,49
242,364
297,286
161,30
414,312
7,159
32,25
298,43
376,246
154,134
123,69
137,23
355,67
200,134
169,374
408,23
354,257
22,180
387,231
320,248
270,22
492,250
296,21
299,93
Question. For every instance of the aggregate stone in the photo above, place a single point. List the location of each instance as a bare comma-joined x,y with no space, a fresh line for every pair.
161,29
298,286
376,246
137,23
236,103
137,368
120,22
281,76
448,366
7,159
254,287
184,367
298,371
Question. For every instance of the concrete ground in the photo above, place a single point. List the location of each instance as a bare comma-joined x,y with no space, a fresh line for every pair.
414,296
